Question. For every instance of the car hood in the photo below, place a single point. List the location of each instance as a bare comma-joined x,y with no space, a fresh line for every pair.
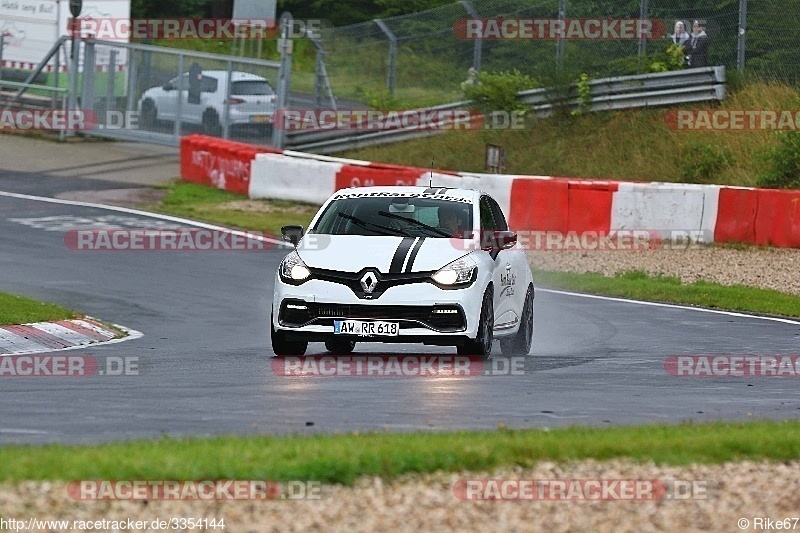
353,253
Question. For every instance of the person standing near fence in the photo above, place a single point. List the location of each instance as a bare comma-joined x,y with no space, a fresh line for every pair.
681,36
698,46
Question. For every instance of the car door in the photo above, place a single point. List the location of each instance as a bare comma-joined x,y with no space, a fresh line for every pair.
192,109
508,275
488,226
168,100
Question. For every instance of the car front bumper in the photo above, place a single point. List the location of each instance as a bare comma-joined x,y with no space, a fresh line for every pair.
425,312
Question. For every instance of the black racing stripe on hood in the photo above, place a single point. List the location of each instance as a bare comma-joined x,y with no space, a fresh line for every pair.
414,252
400,255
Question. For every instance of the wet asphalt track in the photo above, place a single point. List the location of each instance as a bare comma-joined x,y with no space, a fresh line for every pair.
204,360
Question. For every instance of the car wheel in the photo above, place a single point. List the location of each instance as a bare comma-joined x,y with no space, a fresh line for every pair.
520,344
340,346
211,125
282,346
149,113
482,344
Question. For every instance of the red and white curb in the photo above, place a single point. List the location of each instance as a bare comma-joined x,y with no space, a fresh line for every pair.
41,337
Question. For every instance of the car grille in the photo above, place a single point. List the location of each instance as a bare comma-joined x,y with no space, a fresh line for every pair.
444,318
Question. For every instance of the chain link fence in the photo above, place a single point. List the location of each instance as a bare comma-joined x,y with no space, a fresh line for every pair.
162,93
418,58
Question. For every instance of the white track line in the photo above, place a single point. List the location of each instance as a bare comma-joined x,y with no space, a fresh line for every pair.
274,241
672,306
130,211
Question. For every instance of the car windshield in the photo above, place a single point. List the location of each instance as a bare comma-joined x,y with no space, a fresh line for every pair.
252,88
403,216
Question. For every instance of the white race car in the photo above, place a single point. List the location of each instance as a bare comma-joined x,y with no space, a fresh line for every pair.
252,101
404,264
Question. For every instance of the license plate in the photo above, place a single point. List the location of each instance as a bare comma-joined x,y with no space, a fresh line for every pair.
366,327
260,118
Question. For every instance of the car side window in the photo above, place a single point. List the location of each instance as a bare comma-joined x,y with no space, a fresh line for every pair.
208,84
497,214
487,220
181,83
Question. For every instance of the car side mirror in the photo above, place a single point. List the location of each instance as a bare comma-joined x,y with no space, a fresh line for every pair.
168,86
506,239
292,234
492,241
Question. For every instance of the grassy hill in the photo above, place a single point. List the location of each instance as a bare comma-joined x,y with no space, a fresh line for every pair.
628,145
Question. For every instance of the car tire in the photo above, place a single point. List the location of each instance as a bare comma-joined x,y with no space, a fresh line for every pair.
149,114
482,344
211,125
282,346
340,346
520,343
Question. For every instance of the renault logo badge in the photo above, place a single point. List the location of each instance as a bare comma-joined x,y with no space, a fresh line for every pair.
368,282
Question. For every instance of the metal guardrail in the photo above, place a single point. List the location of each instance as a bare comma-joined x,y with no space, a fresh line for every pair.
362,139
9,100
305,137
607,94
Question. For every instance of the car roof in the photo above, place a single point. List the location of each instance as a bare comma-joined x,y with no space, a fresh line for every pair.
434,192
236,75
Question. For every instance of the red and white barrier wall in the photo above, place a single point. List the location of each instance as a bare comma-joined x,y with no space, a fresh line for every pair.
710,213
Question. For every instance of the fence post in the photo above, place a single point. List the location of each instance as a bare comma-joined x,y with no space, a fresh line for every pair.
477,50
2,43
87,87
130,102
226,111
284,78
111,104
643,13
73,77
178,110
392,53
740,53
562,14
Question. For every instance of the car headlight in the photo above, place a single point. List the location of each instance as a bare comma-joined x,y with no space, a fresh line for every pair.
459,272
293,269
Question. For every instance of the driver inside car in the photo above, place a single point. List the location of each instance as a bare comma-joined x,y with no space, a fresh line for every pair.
450,220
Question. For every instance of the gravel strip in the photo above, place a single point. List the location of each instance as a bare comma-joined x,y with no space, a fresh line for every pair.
427,502
766,268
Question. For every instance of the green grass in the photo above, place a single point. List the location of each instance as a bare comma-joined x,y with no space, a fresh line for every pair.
343,458
214,205
20,310
638,285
